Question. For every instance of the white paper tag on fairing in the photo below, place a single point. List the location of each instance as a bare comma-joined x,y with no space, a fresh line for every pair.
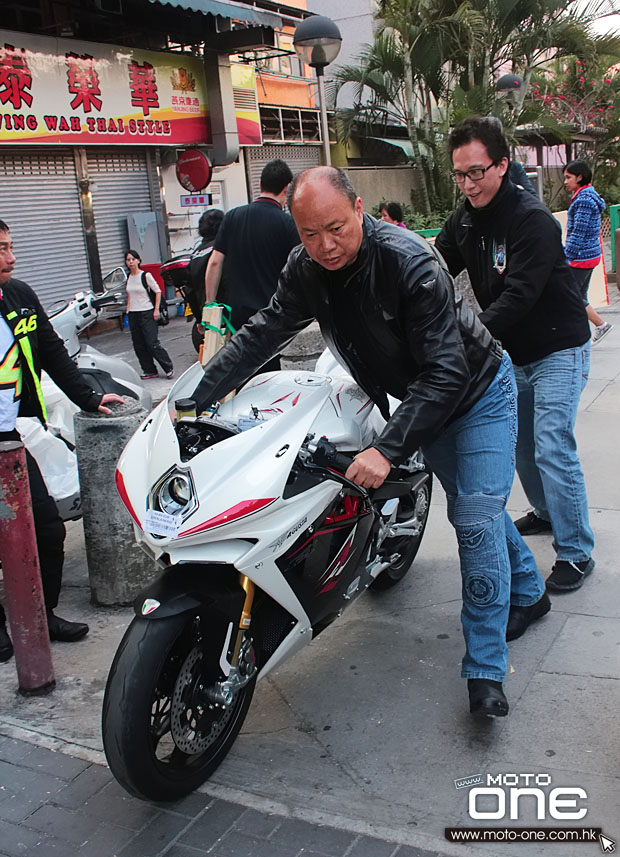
162,524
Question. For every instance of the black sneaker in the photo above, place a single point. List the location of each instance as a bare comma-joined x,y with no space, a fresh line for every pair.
532,525
6,646
566,575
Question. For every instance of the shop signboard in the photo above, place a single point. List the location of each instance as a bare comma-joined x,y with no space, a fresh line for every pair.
78,93
193,170
246,104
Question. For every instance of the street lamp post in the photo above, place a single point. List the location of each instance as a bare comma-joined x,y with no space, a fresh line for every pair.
317,41
510,85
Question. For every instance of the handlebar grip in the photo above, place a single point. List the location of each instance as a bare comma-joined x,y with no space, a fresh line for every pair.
342,462
326,455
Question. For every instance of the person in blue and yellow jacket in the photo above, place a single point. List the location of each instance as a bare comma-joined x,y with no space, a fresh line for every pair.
28,345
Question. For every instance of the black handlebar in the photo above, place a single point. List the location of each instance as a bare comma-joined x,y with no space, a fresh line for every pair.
107,299
326,455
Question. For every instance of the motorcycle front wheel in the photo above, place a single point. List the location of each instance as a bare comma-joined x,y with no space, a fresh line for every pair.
161,735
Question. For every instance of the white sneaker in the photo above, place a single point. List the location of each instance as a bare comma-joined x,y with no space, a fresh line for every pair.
599,332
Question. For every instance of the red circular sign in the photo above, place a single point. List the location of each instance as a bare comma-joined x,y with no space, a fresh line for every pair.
194,170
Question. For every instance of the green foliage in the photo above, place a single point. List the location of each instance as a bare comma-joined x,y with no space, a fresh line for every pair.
414,219
435,62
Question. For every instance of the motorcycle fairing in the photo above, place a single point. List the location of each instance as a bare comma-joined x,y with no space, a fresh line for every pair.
324,566
187,588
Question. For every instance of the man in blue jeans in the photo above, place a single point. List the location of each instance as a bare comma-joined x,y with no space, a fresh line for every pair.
386,306
511,246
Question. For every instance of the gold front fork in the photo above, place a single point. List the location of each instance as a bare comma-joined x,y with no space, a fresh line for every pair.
246,616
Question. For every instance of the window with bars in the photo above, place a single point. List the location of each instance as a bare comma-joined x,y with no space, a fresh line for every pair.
287,62
290,124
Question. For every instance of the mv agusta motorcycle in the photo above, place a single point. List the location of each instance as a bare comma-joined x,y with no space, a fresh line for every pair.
263,542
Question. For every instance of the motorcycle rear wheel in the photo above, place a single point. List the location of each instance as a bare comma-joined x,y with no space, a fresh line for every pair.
160,739
415,506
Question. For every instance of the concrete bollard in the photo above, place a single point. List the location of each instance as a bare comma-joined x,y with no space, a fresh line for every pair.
303,351
22,575
117,568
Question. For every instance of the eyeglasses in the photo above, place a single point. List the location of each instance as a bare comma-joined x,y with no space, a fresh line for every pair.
475,175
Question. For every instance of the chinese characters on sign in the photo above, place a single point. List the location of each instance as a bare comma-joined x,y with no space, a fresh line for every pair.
83,82
65,91
15,77
143,86
202,199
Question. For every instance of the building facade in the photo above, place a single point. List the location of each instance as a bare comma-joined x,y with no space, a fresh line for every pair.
97,102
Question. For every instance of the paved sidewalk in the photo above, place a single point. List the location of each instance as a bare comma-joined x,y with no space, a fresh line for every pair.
352,748
57,804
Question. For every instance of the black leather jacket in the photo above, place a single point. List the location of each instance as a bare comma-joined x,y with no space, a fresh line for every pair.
512,249
393,319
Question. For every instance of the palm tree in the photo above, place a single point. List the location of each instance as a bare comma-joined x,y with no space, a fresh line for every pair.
404,73
442,57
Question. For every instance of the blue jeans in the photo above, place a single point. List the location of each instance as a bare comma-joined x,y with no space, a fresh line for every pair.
547,460
474,459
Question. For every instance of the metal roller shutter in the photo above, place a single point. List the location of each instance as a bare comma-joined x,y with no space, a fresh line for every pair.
298,158
119,182
39,200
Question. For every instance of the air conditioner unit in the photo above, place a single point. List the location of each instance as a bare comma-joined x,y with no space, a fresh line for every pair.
112,7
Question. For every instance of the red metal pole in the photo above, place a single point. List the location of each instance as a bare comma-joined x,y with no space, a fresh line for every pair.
22,576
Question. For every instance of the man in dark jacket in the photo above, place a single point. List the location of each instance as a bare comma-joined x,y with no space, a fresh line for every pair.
29,344
511,246
385,304
252,246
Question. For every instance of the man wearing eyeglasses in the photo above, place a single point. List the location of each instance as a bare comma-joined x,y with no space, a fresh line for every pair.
511,246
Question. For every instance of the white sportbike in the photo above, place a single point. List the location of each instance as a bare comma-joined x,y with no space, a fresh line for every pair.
263,543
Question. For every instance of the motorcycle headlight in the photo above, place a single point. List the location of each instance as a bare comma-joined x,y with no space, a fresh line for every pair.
175,494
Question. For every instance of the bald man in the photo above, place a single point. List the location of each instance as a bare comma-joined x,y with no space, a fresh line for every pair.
386,305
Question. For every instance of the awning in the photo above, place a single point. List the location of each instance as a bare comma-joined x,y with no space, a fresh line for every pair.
225,9
405,145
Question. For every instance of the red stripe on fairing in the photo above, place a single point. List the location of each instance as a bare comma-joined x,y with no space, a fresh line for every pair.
338,396
313,536
120,487
332,574
365,405
281,399
240,510
296,399
261,382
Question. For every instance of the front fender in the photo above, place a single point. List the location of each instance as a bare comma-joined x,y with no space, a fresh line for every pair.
192,587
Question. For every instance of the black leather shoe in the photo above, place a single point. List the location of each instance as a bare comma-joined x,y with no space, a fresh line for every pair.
486,698
65,631
532,525
6,646
520,618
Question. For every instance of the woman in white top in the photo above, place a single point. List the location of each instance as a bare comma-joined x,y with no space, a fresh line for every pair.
143,313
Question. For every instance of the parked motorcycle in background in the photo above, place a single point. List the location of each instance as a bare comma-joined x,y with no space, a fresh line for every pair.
263,543
176,275
54,449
